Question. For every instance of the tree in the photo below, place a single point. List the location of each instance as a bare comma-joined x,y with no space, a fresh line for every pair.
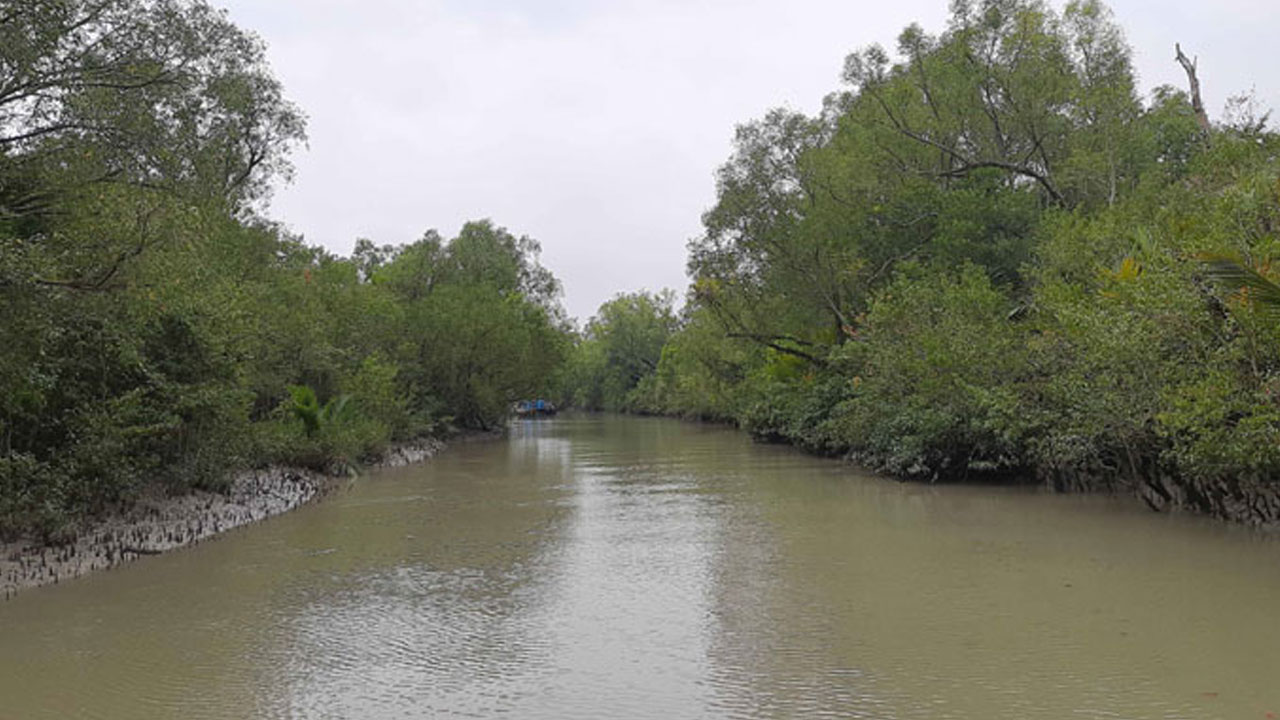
155,93
1009,87
483,323
621,348
759,265
118,118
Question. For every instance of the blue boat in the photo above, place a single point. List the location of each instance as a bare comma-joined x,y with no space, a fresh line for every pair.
534,408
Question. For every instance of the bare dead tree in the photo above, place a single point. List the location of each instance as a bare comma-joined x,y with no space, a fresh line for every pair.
1196,103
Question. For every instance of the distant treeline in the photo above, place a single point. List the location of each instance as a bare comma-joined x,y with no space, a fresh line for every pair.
157,333
986,255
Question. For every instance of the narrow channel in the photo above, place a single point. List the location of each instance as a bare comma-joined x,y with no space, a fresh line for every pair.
598,566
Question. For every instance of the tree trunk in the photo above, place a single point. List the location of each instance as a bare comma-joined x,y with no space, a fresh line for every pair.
1196,104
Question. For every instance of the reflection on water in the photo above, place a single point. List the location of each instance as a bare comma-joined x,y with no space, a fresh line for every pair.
617,567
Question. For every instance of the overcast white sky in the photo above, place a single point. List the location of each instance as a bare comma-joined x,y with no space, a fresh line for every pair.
596,126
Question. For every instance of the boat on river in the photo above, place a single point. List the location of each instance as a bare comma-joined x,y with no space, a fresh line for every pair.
534,408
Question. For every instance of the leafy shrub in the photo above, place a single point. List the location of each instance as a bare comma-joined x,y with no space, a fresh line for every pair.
934,378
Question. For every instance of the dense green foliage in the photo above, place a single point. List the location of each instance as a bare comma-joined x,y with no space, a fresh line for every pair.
613,364
987,254
157,333
990,255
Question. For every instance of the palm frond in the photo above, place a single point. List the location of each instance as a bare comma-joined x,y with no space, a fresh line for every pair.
336,410
306,408
1235,275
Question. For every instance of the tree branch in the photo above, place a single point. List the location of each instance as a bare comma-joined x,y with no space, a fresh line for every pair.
1013,168
1196,104
770,341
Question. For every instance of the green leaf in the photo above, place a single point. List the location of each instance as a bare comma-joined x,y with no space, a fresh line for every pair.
1235,275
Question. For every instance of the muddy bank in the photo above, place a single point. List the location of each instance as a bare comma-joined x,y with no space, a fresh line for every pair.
1251,501
1242,500
161,523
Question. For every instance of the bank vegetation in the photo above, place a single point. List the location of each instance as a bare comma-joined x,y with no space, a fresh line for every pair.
989,255
158,333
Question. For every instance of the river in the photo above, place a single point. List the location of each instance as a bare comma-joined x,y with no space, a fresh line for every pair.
601,567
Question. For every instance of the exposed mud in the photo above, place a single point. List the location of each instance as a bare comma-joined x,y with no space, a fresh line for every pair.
161,523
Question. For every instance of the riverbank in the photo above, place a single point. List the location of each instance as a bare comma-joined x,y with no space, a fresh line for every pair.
1240,500
1245,501
160,523
1252,502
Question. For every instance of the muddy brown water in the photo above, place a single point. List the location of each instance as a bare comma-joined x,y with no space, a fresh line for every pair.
599,567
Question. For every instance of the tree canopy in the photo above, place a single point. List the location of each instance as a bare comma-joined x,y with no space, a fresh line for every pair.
991,254
157,330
